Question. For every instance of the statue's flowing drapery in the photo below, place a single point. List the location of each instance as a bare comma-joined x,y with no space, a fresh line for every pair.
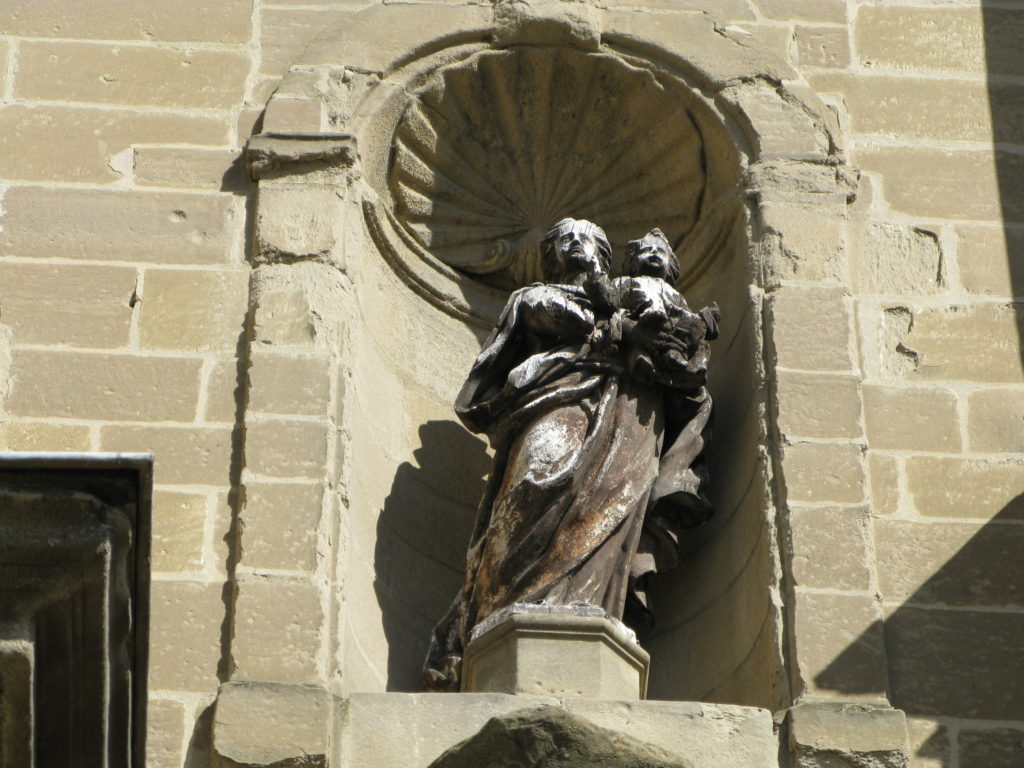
595,472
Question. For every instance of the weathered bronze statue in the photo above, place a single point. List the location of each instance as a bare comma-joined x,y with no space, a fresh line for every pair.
592,393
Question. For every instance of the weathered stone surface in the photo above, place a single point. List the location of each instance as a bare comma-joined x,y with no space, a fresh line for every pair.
179,522
223,390
885,483
279,626
950,563
929,743
193,309
776,125
271,724
165,733
76,144
131,75
823,46
958,663
185,635
286,384
818,405
192,167
823,735
802,244
296,223
830,548
893,259
67,303
285,32
132,226
991,747
995,420
279,525
988,259
115,387
549,736
810,328
43,436
188,455
911,418
281,448
833,11
824,472
970,488
839,645
188,21
285,115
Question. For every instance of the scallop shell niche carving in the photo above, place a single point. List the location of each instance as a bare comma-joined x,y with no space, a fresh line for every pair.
495,148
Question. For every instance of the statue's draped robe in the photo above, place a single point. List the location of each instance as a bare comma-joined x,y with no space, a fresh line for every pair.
595,474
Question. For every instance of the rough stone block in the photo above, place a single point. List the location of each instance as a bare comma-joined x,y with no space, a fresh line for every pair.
184,455
284,317
956,663
911,418
990,747
892,259
192,167
281,448
132,226
295,223
285,32
810,328
84,306
285,384
775,125
165,733
131,75
179,524
995,420
970,488
285,115
279,525
824,472
76,144
822,735
186,623
805,244
823,46
830,548
187,21
193,309
223,390
279,626
42,436
989,259
818,405
839,646
942,563
112,387
833,11
885,483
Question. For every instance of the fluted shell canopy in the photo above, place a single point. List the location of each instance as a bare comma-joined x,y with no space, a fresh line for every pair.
496,148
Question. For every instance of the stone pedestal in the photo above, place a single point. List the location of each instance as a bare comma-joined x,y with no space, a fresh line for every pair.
567,652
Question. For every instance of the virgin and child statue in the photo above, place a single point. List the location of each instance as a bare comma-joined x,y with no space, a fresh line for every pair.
591,391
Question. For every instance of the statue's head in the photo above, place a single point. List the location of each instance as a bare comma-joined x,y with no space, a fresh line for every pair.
652,255
574,246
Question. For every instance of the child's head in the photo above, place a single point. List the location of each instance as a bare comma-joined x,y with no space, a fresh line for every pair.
652,255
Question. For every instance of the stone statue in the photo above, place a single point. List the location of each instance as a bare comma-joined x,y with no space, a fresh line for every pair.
592,394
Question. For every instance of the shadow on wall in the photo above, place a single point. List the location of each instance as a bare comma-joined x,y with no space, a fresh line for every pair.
422,534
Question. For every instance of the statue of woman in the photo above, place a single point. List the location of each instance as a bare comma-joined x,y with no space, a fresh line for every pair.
596,470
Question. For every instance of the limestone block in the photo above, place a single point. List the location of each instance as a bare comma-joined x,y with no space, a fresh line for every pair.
165,733
950,563
5,53
830,548
279,626
959,663
284,317
279,525
192,167
929,743
995,420
42,436
818,405
271,724
282,448
989,259
285,115
179,522
113,387
823,46
297,223
67,303
969,488
185,455
892,259
531,651
193,309
161,227
911,418
726,10
76,144
805,244
285,32
824,472
990,747
185,635
839,646
885,483
776,125
188,21
823,735
131,75
810,328
223,391
832,11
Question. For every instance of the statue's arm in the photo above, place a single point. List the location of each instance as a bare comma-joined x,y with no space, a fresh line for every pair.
549,311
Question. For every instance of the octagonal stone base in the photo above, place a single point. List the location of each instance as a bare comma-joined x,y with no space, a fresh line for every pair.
568,652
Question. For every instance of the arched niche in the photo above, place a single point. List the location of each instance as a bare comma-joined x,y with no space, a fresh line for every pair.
426,237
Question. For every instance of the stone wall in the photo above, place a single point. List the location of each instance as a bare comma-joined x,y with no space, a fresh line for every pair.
132,319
